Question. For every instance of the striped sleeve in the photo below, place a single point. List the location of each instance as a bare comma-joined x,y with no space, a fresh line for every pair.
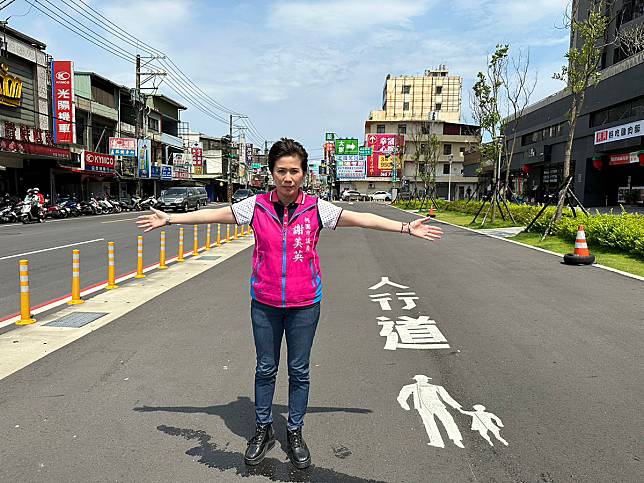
243,211
329,214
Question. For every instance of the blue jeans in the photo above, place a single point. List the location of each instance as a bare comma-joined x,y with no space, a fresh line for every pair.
269,325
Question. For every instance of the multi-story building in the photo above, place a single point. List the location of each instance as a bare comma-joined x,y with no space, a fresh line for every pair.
27,149
213,175
417,109
608,147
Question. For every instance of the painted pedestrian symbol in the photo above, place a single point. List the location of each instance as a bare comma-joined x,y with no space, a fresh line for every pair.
483,422
429,401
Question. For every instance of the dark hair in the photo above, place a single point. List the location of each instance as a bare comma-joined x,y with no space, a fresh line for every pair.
287,147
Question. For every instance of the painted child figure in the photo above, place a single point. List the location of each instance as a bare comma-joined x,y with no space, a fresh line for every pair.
483,422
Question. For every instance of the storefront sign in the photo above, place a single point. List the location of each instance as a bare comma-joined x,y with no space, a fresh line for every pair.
180,172
122,146
62,103
350,167
617,133
329,150
10,88
103,163
386,150
623,158
197,158
144,147
14,146
155,172
249,154
166,172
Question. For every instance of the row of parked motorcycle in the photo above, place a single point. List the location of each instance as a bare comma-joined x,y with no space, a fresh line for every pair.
32,209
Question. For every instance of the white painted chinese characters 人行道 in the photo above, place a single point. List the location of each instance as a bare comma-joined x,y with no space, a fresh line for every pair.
405,332
431,401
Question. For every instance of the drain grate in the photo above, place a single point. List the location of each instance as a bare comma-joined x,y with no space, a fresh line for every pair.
77,319
208,257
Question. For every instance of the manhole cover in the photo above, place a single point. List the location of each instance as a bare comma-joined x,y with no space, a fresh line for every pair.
208,257
77,319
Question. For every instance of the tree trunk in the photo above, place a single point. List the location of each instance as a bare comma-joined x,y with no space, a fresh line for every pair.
567,155
507,168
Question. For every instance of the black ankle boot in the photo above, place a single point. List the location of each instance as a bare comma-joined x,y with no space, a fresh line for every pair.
298,452
260,444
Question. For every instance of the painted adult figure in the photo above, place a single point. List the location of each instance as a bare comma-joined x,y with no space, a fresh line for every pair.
286,283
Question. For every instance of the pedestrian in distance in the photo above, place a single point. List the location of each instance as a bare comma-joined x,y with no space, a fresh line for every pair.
286,283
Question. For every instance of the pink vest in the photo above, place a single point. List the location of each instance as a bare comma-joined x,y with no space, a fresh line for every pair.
286,269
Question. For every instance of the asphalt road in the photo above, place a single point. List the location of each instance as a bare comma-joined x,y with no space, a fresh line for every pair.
166,393
50,270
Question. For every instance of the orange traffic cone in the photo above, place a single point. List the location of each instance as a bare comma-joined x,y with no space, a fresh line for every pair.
431,213
582,255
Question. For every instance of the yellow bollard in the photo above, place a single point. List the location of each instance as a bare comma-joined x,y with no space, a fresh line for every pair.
162,265
243,230
208,237
139,257
236,235
250,229
180,257
218,234
111,282
227,232
25,309
195,245
76,298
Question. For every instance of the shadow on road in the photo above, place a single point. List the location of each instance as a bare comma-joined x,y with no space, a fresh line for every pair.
238,416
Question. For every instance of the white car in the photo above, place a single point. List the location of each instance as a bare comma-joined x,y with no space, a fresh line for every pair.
381,196
349,195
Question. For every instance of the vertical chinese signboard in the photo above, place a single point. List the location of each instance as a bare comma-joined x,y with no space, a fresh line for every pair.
144,156
387,148
249,154
197,158
62,101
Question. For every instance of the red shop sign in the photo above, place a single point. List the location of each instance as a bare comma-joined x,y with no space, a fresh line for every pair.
98,162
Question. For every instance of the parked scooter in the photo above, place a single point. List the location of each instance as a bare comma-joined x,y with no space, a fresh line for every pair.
149,202
71,204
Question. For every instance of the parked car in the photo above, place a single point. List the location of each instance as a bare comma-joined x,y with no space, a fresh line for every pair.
349,195
381,196
241,194
203,195
179,198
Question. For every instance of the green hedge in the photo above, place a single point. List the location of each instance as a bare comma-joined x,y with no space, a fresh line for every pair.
623,231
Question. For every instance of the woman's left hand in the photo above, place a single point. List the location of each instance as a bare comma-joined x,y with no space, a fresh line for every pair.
421,229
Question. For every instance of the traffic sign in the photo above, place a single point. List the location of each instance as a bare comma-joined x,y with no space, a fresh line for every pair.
346,146
330,136
365,151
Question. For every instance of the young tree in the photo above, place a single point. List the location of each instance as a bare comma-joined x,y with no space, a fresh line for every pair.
425,152
486,108
518,87
581,72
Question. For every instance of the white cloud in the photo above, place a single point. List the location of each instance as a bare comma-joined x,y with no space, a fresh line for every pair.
344,17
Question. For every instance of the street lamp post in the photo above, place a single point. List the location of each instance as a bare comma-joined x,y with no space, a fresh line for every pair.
449,178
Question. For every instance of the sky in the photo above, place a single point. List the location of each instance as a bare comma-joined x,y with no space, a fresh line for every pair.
302,68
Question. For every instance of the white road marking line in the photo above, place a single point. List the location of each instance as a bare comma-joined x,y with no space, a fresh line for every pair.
52,248
118,221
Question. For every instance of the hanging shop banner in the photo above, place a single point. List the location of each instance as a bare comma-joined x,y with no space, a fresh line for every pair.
144,151
197,157
617,133
386,150
249,154
350,167
166,172
122,146
102,163
62,101
329,150
623,158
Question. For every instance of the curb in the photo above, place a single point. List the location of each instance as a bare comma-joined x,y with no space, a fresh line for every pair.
543,250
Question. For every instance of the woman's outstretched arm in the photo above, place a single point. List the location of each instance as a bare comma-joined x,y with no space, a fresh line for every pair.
419,228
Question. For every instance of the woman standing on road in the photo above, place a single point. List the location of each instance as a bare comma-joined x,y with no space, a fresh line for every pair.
286,283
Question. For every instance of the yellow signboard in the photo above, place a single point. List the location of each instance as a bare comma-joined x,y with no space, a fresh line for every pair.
10,88
386,163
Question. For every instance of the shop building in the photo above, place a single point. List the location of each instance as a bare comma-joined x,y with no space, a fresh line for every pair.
27,148
608,148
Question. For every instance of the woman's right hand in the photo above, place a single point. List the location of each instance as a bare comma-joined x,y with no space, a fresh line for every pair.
154,220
